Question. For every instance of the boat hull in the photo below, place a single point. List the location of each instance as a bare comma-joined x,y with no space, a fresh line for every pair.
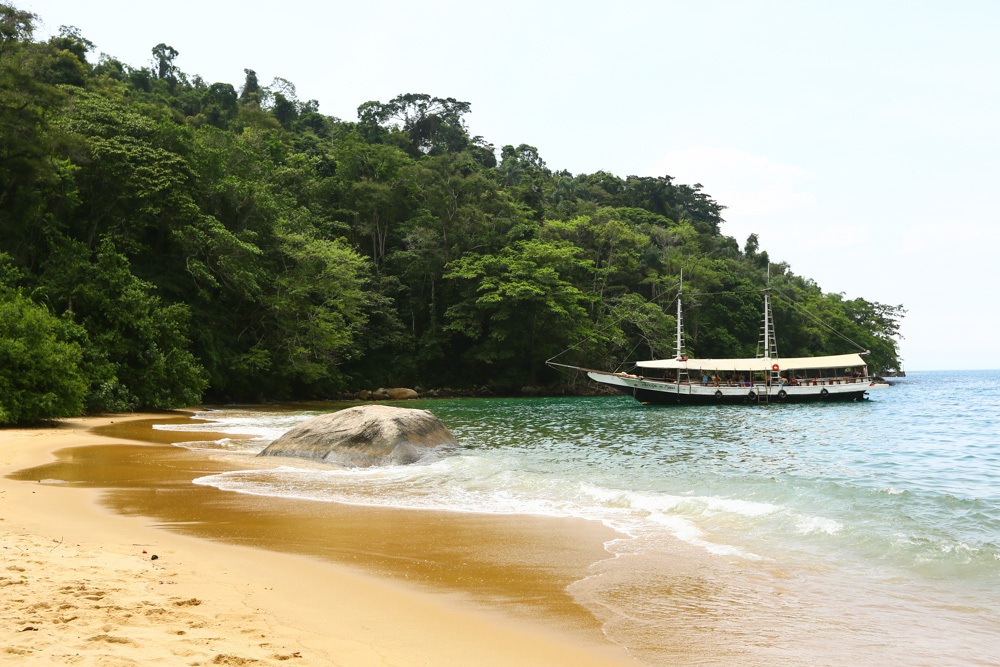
655,392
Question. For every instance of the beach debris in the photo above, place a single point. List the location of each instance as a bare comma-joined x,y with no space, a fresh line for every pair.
224,659
191,602
153,557
110,639
364,436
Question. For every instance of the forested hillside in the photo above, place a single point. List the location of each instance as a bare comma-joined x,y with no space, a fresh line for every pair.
165,240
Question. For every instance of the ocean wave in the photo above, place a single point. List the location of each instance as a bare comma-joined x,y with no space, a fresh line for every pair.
732,482
483,484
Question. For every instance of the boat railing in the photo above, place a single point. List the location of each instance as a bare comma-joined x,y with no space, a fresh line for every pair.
719,381
726,382
839,379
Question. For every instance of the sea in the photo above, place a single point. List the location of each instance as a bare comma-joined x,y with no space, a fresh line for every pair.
829,533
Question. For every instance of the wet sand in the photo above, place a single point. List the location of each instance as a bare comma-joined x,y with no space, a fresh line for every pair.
239,579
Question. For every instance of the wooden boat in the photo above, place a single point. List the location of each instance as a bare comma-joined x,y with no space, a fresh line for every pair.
762,379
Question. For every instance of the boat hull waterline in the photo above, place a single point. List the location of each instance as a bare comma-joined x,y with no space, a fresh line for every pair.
658,392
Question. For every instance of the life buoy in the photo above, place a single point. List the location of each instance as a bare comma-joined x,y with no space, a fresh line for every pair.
775,367
782,393
823,392
752,395
718,393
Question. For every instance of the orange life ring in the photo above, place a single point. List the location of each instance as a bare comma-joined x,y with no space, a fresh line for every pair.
774,367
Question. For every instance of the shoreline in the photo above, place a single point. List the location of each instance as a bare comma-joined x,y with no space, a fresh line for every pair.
78,583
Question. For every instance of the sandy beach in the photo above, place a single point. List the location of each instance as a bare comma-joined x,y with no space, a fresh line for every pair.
83,584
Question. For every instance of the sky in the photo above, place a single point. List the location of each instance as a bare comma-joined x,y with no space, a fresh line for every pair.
860,140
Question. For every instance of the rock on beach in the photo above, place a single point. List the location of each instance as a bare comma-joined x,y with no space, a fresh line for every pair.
364,436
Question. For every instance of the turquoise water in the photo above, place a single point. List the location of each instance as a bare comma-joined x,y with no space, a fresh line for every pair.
869,528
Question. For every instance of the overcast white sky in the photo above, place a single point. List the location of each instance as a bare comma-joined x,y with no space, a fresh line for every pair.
859,139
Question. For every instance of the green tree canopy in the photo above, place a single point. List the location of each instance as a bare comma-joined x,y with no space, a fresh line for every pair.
178,240
40,359
519,307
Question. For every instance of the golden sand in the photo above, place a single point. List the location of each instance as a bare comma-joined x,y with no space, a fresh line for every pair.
277,582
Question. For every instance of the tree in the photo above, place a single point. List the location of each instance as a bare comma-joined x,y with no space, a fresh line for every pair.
641,323
284,110
315,314
33,169
373,193
16,26
517,307
610,242
456,199
218,104
137,352
163,61
40,375
877,327
677,202
71,39
130,180
250,94
434,124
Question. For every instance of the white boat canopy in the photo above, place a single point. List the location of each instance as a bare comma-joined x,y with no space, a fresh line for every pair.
757,364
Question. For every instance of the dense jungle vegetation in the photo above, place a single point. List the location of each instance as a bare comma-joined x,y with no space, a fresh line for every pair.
166,241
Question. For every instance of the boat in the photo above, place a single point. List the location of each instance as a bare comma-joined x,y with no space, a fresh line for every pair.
765,378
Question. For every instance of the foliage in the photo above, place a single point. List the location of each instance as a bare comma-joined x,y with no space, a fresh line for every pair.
518,307
40,374
177,240
137,346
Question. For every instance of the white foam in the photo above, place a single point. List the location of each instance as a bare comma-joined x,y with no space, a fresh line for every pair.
808,525
482,484
263,426
494,480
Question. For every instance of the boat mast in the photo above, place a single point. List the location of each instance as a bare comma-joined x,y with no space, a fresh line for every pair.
768,339
767,323
682,373
680,326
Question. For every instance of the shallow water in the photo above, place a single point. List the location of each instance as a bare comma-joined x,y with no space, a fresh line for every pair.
871,528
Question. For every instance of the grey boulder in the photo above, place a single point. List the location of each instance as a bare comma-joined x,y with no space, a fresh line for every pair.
364,436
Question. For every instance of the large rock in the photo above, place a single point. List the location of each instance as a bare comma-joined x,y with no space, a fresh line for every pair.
364,436
401,394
